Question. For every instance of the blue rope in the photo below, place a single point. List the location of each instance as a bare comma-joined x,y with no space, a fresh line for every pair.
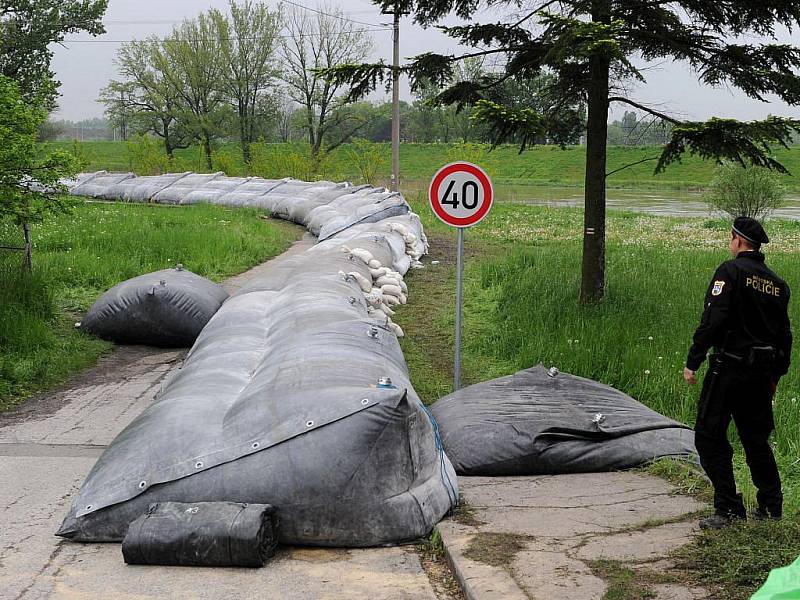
451,490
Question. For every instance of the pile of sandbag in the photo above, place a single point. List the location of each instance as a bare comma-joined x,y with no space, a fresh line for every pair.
296,393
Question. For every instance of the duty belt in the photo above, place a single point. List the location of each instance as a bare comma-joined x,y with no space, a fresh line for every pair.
759,357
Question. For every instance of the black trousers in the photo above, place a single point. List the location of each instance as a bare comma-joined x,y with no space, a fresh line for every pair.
744,396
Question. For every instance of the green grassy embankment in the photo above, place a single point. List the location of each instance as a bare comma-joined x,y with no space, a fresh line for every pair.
80,255
521,307
541,165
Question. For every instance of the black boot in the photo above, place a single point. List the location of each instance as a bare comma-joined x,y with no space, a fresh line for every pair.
719,520
763,514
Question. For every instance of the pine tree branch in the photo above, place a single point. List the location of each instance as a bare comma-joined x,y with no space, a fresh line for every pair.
646,109
633,164
746,143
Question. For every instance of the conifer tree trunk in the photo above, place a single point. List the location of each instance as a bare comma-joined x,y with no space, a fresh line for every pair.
594,213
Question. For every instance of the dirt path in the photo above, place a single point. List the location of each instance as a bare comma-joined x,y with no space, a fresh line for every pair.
50,443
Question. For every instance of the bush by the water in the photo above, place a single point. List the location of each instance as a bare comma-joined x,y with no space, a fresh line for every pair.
751,192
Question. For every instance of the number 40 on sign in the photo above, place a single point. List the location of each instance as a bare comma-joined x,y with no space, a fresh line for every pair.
460,195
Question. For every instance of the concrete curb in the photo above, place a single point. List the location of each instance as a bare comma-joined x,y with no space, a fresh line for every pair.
477,580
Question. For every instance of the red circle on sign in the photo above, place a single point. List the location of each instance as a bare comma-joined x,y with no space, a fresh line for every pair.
439,178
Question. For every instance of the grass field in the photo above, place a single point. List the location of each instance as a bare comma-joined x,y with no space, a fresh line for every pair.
80,255
542,165
521,308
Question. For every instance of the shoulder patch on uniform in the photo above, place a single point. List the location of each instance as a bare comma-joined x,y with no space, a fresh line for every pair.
717,289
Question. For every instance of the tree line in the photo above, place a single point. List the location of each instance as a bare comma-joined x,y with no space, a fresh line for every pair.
246,74
257,73
419,123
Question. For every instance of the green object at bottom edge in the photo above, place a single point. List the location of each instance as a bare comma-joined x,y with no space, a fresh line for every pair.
782,584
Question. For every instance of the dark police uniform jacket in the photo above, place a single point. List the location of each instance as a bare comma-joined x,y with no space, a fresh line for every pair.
746,306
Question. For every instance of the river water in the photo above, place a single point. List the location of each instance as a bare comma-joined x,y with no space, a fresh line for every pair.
681,203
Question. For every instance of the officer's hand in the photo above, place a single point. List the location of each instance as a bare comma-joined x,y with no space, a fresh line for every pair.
689,376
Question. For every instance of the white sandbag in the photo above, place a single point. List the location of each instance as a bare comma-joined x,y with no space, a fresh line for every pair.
391,290
364,255
364,283
386,280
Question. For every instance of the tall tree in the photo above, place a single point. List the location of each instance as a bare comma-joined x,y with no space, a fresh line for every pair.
29,27
29,181
191,62
322,40
248,43
146,100
588,45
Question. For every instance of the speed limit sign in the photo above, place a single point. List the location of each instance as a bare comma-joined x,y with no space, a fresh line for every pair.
460,194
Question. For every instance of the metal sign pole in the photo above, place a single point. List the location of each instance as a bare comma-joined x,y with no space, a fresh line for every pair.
459,282
460,195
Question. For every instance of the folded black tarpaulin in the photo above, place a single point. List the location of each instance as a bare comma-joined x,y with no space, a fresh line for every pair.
203,534
541,422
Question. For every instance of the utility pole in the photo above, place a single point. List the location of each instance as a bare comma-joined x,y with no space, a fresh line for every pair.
396,101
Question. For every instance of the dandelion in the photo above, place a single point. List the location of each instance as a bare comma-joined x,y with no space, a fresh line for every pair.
650,337
660,358
647,371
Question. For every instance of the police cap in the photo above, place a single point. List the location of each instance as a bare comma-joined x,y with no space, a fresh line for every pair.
751,230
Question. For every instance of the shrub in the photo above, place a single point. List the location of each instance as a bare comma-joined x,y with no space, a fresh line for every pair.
275,161
751,192
146,156
223,161
368,159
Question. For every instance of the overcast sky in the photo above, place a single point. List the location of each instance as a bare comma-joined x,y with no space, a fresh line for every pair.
84,67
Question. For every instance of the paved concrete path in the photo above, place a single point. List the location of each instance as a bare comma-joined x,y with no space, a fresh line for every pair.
559,537
47,447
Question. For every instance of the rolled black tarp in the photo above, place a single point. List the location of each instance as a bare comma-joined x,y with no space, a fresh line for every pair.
202,534
541,421
166,308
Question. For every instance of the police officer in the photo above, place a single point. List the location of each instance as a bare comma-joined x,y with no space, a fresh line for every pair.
747,323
